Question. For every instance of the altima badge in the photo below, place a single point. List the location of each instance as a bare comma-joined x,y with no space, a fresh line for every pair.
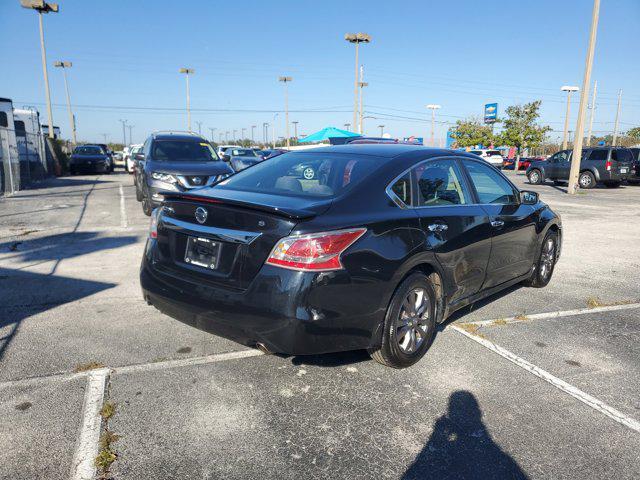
201,215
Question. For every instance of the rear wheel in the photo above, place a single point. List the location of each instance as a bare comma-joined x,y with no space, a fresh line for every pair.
612,184
138,194
586,180
409,324
546,262
535,177
147,208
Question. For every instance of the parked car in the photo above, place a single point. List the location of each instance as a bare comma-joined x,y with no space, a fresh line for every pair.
382,245
510,163
241,158
118,159
222,148
634,173
129,157
273,152
175,162
90,158
494,157
605,165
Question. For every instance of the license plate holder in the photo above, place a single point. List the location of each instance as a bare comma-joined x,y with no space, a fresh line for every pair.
202,252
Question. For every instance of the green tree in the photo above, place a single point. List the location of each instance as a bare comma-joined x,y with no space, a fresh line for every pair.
470,132
634,133
521,129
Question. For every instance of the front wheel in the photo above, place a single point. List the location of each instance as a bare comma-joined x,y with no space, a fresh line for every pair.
535,177
546,262
147,208
409,324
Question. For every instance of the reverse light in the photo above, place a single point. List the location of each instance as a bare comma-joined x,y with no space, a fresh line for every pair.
314,252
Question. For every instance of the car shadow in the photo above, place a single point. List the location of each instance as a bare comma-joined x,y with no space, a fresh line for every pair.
461,447
329,359
457,315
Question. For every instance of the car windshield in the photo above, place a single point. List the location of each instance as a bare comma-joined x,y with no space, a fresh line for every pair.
241,152
88,150
304,174
182,151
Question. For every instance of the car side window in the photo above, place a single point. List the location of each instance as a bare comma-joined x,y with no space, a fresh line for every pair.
439,183
490,186
599,155
402,189
621,155
559,157
3,119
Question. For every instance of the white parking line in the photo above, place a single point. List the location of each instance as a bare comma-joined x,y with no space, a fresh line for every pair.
123,210
555,381
558,314
83,467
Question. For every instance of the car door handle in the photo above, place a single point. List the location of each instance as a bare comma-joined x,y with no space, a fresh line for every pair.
438,227
497,223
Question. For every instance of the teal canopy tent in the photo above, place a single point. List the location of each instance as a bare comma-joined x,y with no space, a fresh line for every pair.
327,133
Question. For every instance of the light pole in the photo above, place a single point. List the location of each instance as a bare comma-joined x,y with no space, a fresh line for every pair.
265,132
347,126
199,127
273,130
569,89
381,127
361,85
433,109
72,124
220,134
615,127
357,39
130,134
41,7
253,129
295,129
286,80
586,80
187,72
234,139
124,132
242,137
226,136
212,136
593,109
104,135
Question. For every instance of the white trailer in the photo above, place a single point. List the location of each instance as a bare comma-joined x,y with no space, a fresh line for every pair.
9,157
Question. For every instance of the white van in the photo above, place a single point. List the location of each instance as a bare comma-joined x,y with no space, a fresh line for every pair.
9,158
490,156
26,124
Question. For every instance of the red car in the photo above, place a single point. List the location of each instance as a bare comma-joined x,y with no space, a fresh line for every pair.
509,163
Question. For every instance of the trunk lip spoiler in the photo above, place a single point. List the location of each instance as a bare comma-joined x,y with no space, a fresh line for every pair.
291,213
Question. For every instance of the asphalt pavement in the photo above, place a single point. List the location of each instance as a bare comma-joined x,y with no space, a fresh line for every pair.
504,392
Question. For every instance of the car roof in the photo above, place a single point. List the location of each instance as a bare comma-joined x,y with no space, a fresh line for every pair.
187,137
379,149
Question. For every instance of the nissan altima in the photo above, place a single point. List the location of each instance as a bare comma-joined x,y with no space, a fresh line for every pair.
372,251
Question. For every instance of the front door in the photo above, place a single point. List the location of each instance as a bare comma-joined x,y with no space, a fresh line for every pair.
512,223
552,169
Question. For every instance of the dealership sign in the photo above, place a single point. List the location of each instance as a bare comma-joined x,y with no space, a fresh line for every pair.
490,112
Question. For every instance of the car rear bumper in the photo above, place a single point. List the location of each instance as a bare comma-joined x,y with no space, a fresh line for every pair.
289,312
90,167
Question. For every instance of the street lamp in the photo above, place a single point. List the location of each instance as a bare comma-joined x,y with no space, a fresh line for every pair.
199,127
187,72
212,130
265,132
361,85
226,136
130,134
273,130
569,89
381,127
295,129
357,39
253,129
243,136
286,80
124,132
41,7
347,126
72,124
433,109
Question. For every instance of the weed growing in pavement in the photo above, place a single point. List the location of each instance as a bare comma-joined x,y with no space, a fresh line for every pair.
595,302
522,317
471,328
107,410
106,456
83,367
499,321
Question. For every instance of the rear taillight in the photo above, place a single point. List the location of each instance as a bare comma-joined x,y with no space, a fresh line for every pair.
314,252
153,228
608,165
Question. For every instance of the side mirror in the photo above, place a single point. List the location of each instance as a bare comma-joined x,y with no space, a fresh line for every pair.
226,158
528,197
139,156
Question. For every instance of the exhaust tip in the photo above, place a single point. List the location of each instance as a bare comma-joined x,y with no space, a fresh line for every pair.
262,347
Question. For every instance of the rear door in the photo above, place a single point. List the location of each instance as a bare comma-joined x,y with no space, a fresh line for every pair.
512,224
455,229
551,168
621,162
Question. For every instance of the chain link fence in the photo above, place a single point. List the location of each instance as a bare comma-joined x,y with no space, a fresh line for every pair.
25,160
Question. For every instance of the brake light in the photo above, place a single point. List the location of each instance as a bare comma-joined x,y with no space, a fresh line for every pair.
608,165
314,252
153,228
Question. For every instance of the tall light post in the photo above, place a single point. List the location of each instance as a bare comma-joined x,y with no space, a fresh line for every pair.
433,107
199,127
235,135
212,129
253,129
286,80
105,135
187,72
124,132
265,132
615,127
586,80
593,110
243,136
347,126
381,127
130,134
226,136
295,129
220,135
72,123
357,39
273,130
41,7
569,89
361,86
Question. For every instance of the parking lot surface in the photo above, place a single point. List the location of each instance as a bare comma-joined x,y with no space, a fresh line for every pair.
503,393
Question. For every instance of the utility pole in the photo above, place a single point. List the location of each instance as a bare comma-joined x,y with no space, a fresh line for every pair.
212,136
273,131
187,72
235,135
265,133
381,127
72,124
124,132
41,7
243,136
104,135
253,129
199,127
295,129
361,84
226,136
569,89
615,127
357,39
220,136
577,146
433,109
286,80
593,109
130,134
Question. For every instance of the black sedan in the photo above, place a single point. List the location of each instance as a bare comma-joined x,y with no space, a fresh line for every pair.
90,158
380,245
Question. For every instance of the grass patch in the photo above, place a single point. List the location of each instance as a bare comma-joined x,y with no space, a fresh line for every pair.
107,410
106,456
521,317
499,321
594,302
83,367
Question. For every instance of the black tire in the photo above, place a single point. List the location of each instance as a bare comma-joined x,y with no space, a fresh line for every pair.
586,180
147,208
545,263
535,177
612,184
138,194
418,323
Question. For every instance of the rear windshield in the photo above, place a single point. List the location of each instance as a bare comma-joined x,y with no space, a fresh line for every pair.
88,151
182,151
493,152
299,174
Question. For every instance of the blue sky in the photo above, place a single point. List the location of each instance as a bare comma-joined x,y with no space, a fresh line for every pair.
126,56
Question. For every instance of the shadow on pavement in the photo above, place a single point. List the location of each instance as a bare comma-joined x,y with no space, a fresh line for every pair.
480,303
461,447
24,294
331,359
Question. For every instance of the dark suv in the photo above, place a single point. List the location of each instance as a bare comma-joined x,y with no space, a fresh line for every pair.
607,165
175,162
635,166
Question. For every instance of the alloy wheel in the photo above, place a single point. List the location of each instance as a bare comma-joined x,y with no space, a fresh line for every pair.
547,258
585,181
534,177
412,325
